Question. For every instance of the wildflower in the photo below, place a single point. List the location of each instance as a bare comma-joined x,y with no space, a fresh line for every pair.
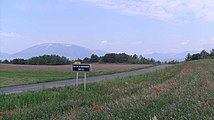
1,117
1,112
204,82
94,108
11,111
172,83
101,108
158,89
200,93
93,103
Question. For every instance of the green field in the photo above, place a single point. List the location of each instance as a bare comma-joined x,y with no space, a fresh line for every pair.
183,91
13,78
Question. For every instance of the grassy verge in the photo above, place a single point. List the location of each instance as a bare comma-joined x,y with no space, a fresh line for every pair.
184,91
13,78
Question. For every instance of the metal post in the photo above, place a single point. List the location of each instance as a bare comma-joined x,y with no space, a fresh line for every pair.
84,80
77,79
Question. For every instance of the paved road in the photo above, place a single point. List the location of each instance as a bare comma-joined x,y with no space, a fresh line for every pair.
32,87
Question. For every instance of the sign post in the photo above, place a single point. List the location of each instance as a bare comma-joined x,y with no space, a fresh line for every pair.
84,68
84,80
77,79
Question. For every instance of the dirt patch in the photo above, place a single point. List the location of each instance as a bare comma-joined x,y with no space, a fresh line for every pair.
95,67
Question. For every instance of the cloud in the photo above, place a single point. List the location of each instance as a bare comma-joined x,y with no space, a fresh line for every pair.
104,42
162,9
185,42
10,34
148,51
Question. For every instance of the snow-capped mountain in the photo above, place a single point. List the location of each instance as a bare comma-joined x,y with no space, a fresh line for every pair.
70,51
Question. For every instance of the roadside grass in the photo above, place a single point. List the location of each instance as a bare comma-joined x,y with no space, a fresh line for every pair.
13,78
183,91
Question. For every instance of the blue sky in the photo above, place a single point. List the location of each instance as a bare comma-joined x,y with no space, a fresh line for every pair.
131,26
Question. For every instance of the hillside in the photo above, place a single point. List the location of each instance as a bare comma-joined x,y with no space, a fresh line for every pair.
183,91
70,51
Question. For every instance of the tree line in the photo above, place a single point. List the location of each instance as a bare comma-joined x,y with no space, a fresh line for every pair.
40,60
119,58
107,58
202,55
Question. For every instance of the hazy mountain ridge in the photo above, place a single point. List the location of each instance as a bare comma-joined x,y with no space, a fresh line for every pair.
170,56
70,51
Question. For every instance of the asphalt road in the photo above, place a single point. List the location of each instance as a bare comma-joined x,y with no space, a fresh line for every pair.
33,87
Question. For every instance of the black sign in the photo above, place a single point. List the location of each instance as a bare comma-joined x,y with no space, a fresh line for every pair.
81,67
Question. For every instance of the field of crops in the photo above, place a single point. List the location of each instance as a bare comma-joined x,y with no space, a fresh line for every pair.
11,75
183,91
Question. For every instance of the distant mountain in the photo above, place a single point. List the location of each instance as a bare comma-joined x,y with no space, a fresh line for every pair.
70,51
3,55
170,56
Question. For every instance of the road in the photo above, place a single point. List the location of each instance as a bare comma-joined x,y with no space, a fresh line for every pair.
38,86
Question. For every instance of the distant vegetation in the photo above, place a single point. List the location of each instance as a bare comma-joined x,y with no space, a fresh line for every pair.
119,58
202,55
41,60
107,58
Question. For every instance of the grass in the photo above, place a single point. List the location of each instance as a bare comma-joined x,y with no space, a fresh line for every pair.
183,91
13,78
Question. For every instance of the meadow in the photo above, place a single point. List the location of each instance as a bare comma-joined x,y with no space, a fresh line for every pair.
180,92
12,75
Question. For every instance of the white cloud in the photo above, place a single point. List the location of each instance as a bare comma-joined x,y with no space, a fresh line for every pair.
10,34
162,9
185,42
104,42
148,51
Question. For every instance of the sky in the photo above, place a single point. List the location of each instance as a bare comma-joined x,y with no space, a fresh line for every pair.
130,26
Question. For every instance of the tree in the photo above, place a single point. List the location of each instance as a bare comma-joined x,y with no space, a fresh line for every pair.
135,57
86,60
188,57
212,53
94,58
204,54
196,56
6,61
48,60
18,61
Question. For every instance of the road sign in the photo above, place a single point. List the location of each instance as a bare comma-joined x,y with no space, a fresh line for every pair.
81,67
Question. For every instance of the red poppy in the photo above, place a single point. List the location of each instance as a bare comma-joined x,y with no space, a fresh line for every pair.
172,83
1,117
93,103
94,108
158,89
101,108
1,112
200,93
204,82
11,111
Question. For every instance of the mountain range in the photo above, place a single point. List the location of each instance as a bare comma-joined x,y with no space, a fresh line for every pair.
72,52
169,56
